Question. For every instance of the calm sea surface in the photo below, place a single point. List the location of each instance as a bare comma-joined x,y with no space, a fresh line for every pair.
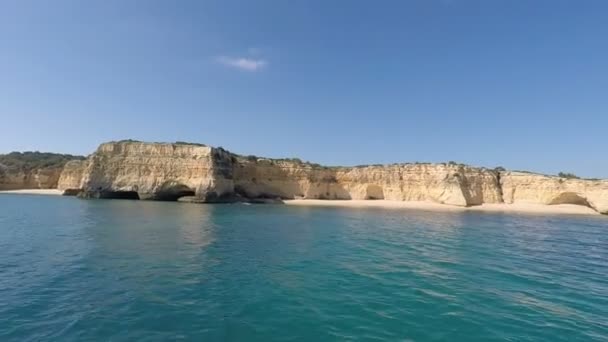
112,270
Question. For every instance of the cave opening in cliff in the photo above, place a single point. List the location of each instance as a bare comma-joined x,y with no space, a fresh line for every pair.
172,191
570,198
172,196
374,192
129,195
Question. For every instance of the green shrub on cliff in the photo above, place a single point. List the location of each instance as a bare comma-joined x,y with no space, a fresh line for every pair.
27,161
193,144
568,175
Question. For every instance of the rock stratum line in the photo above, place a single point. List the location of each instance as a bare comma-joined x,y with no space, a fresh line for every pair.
198,173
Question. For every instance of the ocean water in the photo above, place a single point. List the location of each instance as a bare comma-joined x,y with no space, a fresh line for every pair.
112,270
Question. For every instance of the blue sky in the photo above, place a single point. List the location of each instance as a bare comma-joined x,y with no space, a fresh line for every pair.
522,84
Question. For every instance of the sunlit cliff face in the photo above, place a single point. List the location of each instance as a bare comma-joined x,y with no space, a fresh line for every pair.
161,171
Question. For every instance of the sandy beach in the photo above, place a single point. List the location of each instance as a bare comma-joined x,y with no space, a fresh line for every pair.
53,192
488,207
514,208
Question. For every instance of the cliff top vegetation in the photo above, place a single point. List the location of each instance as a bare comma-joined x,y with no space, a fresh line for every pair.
27,161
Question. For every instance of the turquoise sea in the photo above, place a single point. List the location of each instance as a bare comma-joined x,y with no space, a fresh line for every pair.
121,270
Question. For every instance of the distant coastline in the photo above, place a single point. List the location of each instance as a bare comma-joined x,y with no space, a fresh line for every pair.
198,173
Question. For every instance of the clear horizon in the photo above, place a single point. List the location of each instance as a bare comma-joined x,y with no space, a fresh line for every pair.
514,84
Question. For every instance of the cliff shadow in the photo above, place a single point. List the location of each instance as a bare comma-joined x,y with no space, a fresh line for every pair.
105,194
172,191
267,180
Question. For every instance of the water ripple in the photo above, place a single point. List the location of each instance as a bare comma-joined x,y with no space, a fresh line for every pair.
74,270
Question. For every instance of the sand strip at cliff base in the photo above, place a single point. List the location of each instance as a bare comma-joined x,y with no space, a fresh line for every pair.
537,208
53,192
495,207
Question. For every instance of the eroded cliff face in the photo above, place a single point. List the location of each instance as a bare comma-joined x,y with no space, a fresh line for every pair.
535,188
442,183
448,184
70,180
171,171
32,170
150,171
42,178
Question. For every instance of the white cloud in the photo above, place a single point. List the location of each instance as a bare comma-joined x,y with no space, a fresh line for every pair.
243,63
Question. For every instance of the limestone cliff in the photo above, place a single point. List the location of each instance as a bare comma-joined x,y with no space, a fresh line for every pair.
150,171
535,188
70,180
449,184
31,170
163,171
45,178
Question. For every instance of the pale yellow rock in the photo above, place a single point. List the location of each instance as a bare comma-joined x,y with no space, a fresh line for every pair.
43,178
72,175
521,187
170,171
156,170
447,184
442,183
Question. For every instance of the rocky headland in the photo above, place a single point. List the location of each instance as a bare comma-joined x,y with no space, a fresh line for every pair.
199,173
32,170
